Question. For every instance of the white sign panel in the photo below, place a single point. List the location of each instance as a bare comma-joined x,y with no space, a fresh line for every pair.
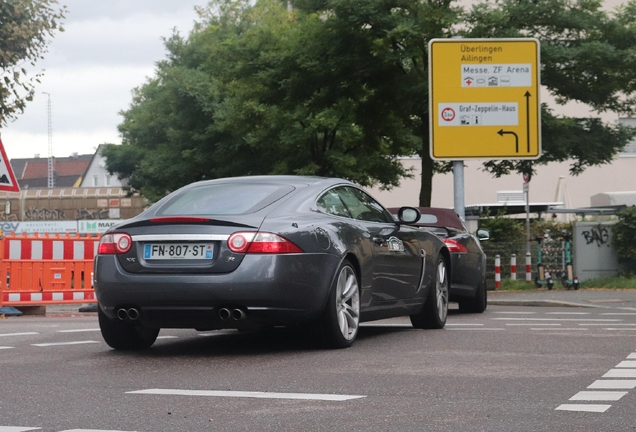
496,75
39,227
479,114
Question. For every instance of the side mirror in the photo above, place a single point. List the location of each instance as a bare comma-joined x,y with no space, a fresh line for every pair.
409,215
483,234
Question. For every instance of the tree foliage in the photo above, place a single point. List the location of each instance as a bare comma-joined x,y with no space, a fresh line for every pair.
340,88
26,27
624,235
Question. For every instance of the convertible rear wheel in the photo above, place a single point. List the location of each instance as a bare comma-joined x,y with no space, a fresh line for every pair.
341,318
433,314
476,304
125,336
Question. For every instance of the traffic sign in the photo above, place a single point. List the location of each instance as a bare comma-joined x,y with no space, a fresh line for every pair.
484,99
7,178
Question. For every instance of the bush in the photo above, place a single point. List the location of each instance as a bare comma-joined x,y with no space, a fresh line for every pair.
624,235
504,229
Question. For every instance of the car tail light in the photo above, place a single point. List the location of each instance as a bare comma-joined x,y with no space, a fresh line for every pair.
179,219
454,246
113,244
262,243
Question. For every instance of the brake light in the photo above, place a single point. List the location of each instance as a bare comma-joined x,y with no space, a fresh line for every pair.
454,246
261,243
114,244
179,219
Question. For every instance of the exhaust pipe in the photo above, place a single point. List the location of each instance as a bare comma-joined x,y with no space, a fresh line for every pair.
224,313
122,314
238,314
133,314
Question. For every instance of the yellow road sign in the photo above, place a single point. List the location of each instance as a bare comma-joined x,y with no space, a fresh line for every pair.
484,99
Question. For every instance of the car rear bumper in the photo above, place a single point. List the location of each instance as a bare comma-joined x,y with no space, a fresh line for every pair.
269,289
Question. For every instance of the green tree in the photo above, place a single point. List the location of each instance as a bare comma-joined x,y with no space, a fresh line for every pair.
340,88
624,235
26,27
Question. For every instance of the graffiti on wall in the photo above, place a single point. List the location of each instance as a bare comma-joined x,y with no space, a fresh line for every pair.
598,235
8,217
41,214
91,214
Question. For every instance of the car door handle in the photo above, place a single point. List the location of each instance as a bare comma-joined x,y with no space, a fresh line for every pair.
379,241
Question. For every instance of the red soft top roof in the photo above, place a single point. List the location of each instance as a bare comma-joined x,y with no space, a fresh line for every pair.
446,218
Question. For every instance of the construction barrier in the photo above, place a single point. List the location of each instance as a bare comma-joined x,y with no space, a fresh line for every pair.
39,270
497,272
528,267
513,267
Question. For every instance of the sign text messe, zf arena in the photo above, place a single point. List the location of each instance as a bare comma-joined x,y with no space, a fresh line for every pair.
484,99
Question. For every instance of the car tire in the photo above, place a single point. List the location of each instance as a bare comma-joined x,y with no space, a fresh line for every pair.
341,317
122,335
435,311
476,304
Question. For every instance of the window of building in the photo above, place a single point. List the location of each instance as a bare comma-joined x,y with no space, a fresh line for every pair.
95,180
107,180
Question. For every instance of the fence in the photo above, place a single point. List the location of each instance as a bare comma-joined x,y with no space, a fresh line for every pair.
38,270
552,259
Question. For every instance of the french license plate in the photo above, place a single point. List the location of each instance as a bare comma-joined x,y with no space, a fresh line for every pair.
157,251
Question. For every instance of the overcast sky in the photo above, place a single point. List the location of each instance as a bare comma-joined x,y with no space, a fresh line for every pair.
108,48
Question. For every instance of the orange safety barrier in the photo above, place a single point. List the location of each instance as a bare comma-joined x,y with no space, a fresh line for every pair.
39,270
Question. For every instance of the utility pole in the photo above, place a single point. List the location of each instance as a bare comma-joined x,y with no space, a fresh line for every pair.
51,179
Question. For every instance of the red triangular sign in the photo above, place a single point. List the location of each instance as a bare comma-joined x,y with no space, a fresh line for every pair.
7,178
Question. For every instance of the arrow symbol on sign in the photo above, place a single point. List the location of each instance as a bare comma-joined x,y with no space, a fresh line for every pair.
527,96
503,132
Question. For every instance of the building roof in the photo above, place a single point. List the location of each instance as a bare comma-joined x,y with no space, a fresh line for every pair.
33,172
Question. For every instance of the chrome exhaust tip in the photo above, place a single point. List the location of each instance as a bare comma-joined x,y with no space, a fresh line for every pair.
122,314
133,314
224,313
238,314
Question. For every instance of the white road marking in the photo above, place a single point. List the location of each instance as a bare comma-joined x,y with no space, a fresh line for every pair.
244,394
627,364
620,373
167,337
65,343
5,347
567,313
598,396
516,313
466,325
616,328
613,384
559,329
617,324
534,324
584,408
558,319
17,429
78,330
380,325
618,313
18,334
88,430
632,356
476,328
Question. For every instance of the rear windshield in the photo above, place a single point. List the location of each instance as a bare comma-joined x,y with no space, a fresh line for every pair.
224,199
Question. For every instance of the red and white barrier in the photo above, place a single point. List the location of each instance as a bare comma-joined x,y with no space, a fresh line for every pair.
35,248
528,267
497,272
513,267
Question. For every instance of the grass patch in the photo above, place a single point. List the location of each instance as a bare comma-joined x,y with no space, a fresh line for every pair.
617,282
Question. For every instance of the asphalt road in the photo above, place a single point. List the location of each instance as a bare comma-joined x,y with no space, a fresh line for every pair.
513,368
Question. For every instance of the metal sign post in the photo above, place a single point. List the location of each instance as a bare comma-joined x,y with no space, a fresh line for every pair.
526,191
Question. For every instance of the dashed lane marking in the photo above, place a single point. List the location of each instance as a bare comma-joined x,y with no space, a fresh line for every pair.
65,343
558,319
79,330
245,394
598,396
583,408
5,347
558,329
465,325
567,313
515,313
620,373
17,429
613,384
534,324
476,328
18,334
167,337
